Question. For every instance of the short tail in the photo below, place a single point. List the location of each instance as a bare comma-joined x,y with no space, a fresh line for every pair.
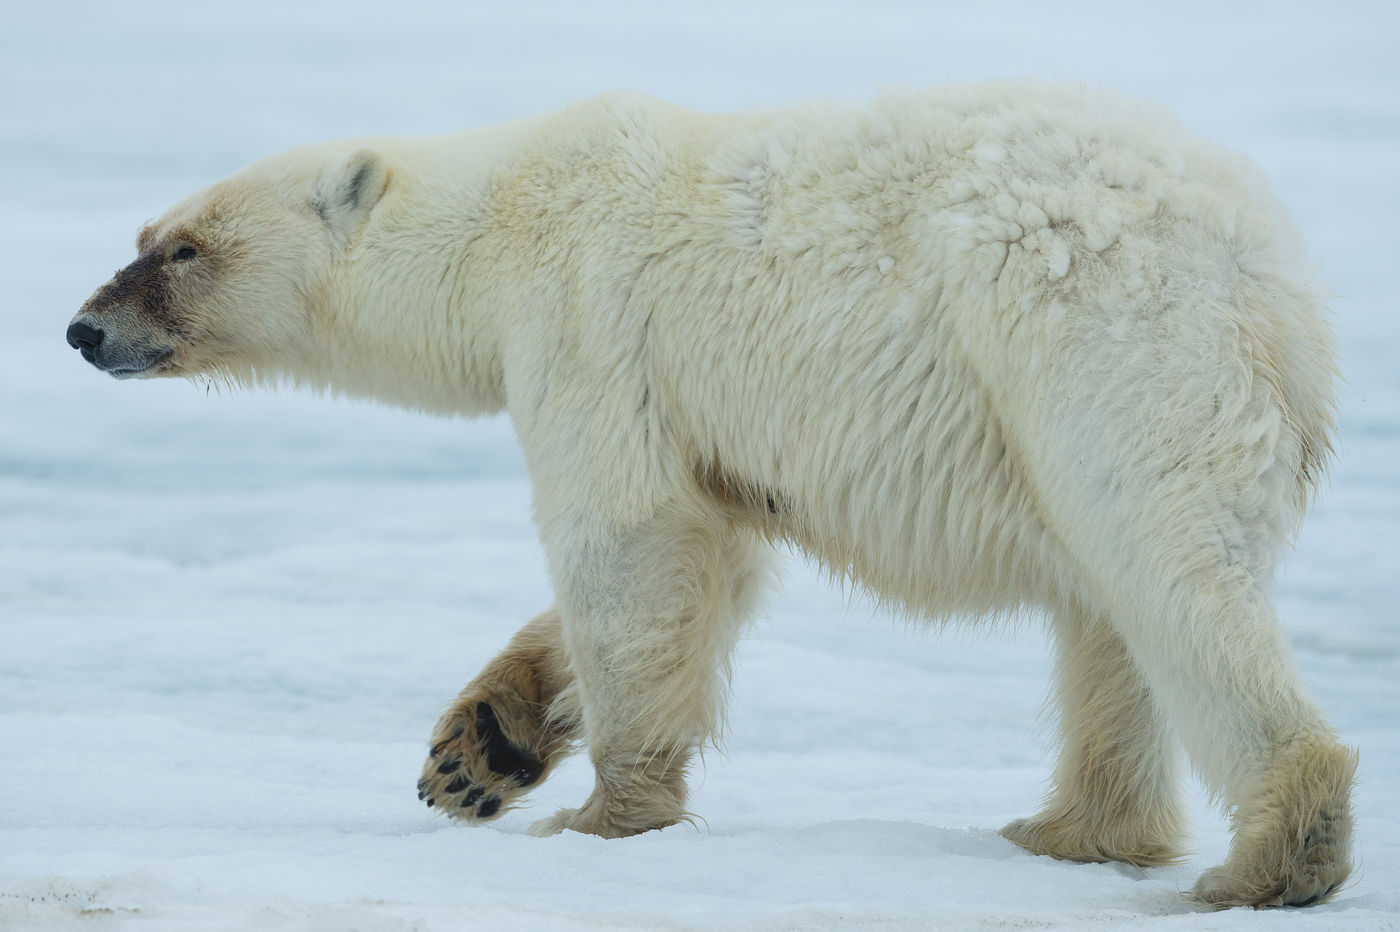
1290,341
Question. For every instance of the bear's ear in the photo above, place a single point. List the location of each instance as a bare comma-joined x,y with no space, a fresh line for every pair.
347,191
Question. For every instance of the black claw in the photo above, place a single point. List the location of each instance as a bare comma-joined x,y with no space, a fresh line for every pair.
431,801
422,795
458,784
488,807
450,765
528,775
436,750
472,796
1315,897
502,755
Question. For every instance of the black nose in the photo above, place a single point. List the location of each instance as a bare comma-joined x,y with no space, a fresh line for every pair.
84,339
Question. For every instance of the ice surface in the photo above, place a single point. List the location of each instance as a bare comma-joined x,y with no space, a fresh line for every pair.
227,622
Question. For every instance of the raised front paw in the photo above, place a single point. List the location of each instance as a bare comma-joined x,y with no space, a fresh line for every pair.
474,772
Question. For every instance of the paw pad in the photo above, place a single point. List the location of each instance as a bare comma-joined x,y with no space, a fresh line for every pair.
474,771
502,756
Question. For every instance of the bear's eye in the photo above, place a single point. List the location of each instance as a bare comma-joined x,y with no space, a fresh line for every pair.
183,254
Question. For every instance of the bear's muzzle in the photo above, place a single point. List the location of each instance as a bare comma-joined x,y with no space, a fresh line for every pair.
117,351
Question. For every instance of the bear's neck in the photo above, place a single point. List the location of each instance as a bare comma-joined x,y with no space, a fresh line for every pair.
397,331
412,313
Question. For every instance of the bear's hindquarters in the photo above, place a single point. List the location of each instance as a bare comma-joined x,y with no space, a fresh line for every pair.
1173,468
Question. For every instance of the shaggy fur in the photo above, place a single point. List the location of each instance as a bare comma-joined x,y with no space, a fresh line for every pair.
1115,796
978,350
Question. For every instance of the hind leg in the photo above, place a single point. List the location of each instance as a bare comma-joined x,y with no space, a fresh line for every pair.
1261,743
507,728
1221,668
1115,787
1200,626
1174,468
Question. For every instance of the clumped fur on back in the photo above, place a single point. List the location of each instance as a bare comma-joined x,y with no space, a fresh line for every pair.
980,350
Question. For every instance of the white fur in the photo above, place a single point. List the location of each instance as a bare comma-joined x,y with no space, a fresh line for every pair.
979,349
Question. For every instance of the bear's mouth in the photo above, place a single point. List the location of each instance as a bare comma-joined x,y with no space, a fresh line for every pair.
130,372
113,352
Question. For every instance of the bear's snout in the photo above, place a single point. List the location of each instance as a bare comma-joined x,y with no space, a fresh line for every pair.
119,344
85,339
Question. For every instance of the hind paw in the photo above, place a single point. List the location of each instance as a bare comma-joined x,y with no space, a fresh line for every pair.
1071,841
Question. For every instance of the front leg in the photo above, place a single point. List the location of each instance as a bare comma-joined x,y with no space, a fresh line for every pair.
507,728
650,616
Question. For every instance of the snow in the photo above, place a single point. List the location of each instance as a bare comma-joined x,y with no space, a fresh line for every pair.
228,621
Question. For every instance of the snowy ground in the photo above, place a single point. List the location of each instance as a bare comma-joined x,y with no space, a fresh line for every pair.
228,622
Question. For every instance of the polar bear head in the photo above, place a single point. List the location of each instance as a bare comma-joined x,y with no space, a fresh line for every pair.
227,282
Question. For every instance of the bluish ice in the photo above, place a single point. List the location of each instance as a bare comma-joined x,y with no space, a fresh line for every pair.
228,620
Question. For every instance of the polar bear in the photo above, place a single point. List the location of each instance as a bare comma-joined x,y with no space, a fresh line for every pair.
976,349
